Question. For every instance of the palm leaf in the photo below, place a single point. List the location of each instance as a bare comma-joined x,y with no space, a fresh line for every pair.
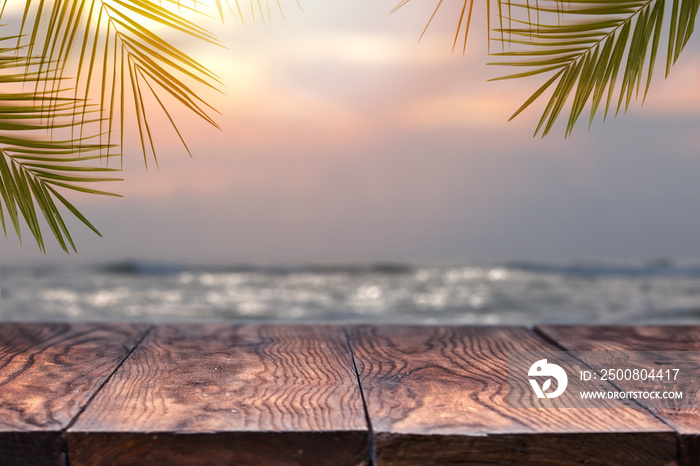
105,48
111,48
586,45
592,45
112,53
34,162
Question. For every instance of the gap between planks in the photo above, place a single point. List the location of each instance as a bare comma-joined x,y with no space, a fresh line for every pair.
64,438
368,419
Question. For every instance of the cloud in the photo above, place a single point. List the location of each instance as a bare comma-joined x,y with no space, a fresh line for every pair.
361,49
464,108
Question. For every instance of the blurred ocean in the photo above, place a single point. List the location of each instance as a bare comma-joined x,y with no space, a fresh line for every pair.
487,293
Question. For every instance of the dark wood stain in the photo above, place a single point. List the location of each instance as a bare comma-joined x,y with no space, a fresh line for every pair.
201,394
250,394
48,372
437,395
220,448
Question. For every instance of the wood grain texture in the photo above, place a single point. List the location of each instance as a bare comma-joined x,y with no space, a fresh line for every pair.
684,419
624,337
437,395
251,394
48,372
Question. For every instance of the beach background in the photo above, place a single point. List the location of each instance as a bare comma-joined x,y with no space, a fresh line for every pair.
505,293
360,175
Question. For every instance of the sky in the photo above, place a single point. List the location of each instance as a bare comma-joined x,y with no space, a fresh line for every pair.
345,139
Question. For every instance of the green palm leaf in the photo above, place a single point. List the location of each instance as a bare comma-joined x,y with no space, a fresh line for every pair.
35,164
612,42
114,55
92,61
587,46
110,48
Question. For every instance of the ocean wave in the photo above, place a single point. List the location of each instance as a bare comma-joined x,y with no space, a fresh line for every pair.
134,267
655,268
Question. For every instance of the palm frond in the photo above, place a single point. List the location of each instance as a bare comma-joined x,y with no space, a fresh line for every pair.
612,41
116,58
115,49
586,45
35,165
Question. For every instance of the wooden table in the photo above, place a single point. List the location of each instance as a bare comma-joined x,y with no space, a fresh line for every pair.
261,394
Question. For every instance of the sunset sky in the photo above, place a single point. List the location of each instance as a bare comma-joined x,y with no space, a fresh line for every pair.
344,140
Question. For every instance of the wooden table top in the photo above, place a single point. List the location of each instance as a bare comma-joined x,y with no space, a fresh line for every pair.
271,394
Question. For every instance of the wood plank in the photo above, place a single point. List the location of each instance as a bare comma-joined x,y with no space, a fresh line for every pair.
438,395
48,372
684,419
624,337
224,394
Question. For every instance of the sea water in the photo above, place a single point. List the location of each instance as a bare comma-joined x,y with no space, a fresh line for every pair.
478,293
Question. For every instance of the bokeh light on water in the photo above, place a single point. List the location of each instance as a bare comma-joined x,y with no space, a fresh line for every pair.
507,293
